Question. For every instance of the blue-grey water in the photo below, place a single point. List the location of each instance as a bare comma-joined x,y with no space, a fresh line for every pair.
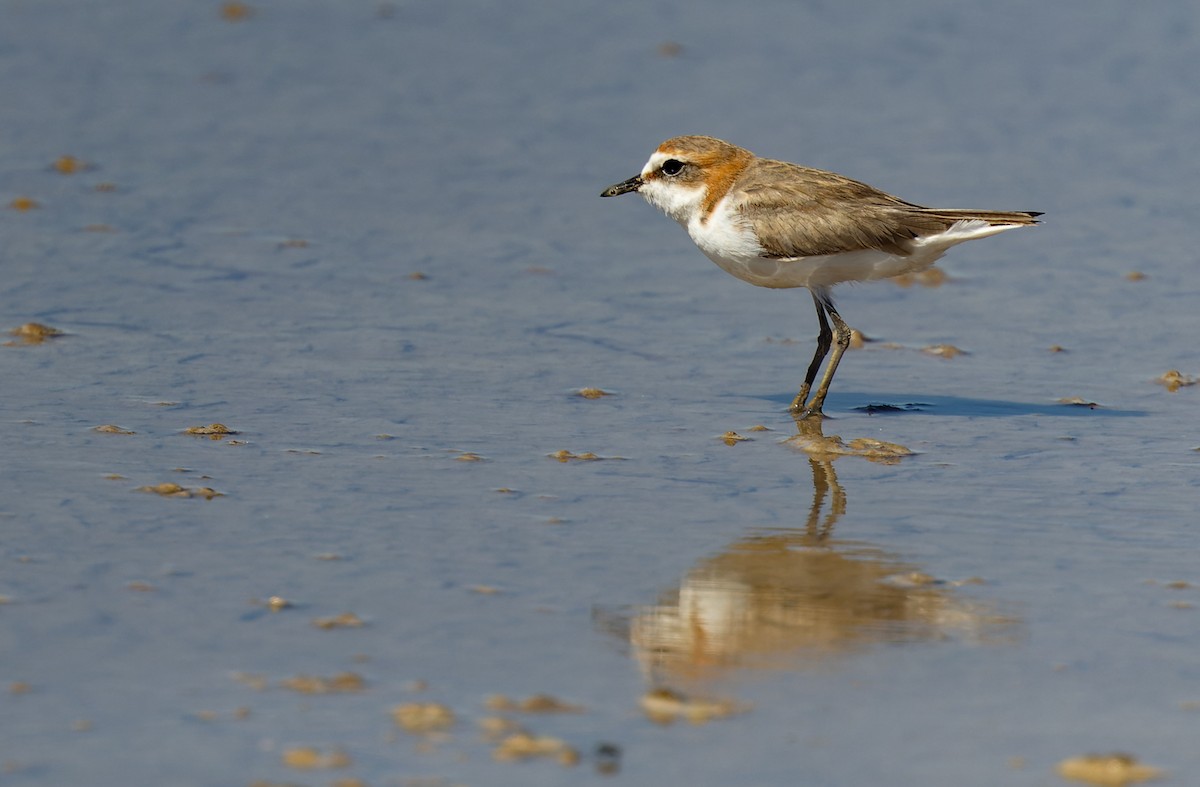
367,237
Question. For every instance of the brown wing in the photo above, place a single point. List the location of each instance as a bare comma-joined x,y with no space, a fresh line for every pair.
802,212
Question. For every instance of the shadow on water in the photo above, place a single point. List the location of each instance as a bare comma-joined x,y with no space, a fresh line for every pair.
876,403
795,598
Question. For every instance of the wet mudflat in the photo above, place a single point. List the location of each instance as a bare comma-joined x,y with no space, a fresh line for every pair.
300,486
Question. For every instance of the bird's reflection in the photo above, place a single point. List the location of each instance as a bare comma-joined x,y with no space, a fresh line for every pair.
790,598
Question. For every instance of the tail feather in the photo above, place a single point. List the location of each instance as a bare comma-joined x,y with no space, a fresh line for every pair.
993,217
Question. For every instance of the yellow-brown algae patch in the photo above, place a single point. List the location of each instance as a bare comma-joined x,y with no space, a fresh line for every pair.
236,12
19,687
1057,348
759,428
82,725
1178,584
1111,770
206,715
417,276
166,490
484,590
468,456
111,429
1135,276
341,683
114,477
346,620
670,49
351,782
593,393
141,587
1173,380
105,188
309,758
175,491
1078,401
536,703
69,165
419,718
24,203
293,243
733,438
566,456
816,444
32,333
215,431
943,350
664,706
524,746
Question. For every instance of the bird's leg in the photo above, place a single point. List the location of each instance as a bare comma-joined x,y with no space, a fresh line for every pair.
823,341
841,340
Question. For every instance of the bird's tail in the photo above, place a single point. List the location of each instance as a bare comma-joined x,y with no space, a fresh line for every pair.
993,217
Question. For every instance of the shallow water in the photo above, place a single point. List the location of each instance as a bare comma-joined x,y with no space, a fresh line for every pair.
242,246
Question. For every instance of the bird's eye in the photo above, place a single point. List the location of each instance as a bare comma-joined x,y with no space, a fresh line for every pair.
672,167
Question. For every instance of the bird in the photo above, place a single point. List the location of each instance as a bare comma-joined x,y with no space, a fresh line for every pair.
781,225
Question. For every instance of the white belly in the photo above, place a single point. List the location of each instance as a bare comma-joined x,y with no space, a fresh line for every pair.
737,251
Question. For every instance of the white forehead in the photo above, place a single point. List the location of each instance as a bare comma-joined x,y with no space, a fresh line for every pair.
656,161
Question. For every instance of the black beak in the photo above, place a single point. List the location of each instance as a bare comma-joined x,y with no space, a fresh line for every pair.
624,187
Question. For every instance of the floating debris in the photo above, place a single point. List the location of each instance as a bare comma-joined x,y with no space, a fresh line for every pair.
759,428
278,603
1078,401
417,276
670,49
111,429
468,456
943,350
485,590
873,450
1173,380
733,438
1135,276
346,620
537,703
308,758
587,456
32,333
214,431
1111,770
664,706
419,718
593,393
236,12
341,683
1057,348
525,746
69,165
24,203
175,490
